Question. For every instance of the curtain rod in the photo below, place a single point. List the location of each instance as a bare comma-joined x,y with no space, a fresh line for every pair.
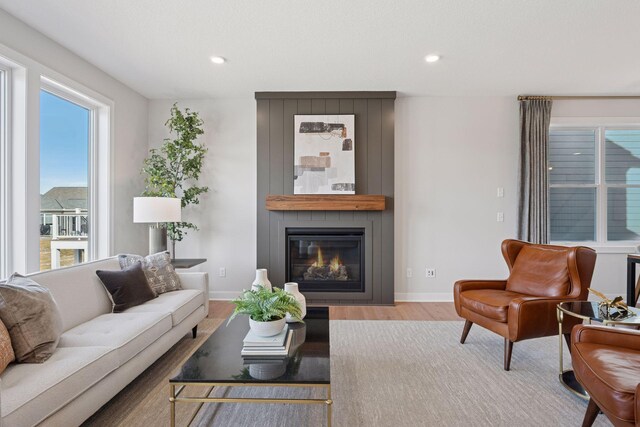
568,97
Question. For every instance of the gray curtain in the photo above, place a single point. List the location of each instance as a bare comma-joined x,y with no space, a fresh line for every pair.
533,186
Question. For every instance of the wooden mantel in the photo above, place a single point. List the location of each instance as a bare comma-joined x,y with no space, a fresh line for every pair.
329,202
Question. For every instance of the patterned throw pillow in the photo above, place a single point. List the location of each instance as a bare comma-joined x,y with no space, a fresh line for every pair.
161,275
6,351
31,316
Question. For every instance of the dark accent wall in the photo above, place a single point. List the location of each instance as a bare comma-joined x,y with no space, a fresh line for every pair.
374,147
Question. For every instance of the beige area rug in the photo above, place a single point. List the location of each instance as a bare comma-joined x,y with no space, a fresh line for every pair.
385,373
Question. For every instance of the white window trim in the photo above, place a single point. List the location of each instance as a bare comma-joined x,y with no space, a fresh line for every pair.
5,169
600,124
23,194
99,172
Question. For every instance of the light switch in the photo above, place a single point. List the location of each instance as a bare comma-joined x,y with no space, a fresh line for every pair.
500,217
500,192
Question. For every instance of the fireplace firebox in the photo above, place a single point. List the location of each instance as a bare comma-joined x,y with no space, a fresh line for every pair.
326,259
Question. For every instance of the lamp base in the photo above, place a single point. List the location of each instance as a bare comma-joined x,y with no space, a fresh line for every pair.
157,239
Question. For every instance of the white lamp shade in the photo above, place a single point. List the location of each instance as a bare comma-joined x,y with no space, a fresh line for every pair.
156,209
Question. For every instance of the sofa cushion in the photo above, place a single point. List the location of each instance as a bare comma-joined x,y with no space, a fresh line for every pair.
30,393
491,303
32,318
128,287
70,285
160,273
610,374
179,303
128,333
540,271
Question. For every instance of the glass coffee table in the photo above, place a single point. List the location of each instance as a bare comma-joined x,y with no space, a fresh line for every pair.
587,311
218,363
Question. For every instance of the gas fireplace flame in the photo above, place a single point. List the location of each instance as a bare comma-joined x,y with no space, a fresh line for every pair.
334,265
320,261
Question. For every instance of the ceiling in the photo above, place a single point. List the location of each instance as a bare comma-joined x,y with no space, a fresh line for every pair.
161,48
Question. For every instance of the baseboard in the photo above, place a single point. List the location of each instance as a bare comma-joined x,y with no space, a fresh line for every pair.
424,297
223,295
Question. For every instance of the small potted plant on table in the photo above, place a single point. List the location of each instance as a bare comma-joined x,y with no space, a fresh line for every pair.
267,310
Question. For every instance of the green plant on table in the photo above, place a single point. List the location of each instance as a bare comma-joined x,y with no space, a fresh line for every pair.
263,305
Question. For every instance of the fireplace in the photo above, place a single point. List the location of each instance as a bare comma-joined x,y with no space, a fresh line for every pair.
326,259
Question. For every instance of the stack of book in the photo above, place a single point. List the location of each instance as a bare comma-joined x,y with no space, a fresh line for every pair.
275,346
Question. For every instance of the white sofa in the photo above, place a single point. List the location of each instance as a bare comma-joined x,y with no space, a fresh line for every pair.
100,352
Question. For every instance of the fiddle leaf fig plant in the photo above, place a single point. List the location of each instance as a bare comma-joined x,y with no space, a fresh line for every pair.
174,169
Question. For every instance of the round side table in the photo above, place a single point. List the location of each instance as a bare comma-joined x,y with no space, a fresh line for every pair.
587,311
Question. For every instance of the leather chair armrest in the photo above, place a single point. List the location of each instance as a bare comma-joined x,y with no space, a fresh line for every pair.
614,337
469,285
533,317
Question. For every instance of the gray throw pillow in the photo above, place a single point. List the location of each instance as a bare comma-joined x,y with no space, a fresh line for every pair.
161,275
31,316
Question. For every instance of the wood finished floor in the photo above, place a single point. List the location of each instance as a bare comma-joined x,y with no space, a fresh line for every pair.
401,311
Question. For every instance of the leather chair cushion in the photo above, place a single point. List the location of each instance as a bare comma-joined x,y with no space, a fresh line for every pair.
491,303
611,376
541,272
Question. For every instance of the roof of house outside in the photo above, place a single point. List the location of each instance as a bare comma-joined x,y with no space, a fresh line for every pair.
59,198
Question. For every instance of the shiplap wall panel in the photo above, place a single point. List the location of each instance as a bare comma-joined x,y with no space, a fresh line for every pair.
374,141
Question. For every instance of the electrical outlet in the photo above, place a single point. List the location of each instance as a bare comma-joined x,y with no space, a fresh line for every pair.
500,192
222,272
431,273
500,217
409,273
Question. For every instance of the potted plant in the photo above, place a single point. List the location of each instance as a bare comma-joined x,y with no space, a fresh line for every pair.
267,310
173,169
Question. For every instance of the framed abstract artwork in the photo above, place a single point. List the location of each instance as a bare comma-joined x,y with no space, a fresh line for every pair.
324,154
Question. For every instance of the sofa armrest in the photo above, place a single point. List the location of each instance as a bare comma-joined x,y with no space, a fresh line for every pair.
614,337
198,281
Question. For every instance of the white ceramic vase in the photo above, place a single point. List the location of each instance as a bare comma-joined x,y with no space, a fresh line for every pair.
292,288
267,329
261,280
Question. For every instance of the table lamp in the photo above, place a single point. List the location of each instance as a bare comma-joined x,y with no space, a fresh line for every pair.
157,210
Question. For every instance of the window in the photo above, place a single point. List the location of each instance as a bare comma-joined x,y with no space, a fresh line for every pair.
65,141
594,177
4,171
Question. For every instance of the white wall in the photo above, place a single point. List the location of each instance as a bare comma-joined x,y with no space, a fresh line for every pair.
226,215
129,116
452,154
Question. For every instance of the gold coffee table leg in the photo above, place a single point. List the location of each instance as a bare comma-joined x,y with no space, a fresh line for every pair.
172,405
329,405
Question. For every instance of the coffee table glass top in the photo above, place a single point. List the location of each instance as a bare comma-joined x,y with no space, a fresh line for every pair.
588,310
218,359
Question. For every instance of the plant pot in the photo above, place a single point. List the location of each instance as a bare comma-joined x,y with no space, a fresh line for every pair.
292,288
267,329
261,280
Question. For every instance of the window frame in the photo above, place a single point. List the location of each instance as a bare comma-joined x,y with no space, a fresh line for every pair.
5,168
100,239
600,126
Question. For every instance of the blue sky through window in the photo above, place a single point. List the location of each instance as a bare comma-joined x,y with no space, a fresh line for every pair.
64,143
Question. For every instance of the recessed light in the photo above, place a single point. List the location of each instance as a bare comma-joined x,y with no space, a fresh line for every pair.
432,58
218,60
576,154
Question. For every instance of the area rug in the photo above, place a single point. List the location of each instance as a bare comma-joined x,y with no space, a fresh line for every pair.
401,373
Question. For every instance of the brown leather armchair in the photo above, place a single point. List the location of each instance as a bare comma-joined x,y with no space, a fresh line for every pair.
606,361
524,305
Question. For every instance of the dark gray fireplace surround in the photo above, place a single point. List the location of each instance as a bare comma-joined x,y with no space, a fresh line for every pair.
374,149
